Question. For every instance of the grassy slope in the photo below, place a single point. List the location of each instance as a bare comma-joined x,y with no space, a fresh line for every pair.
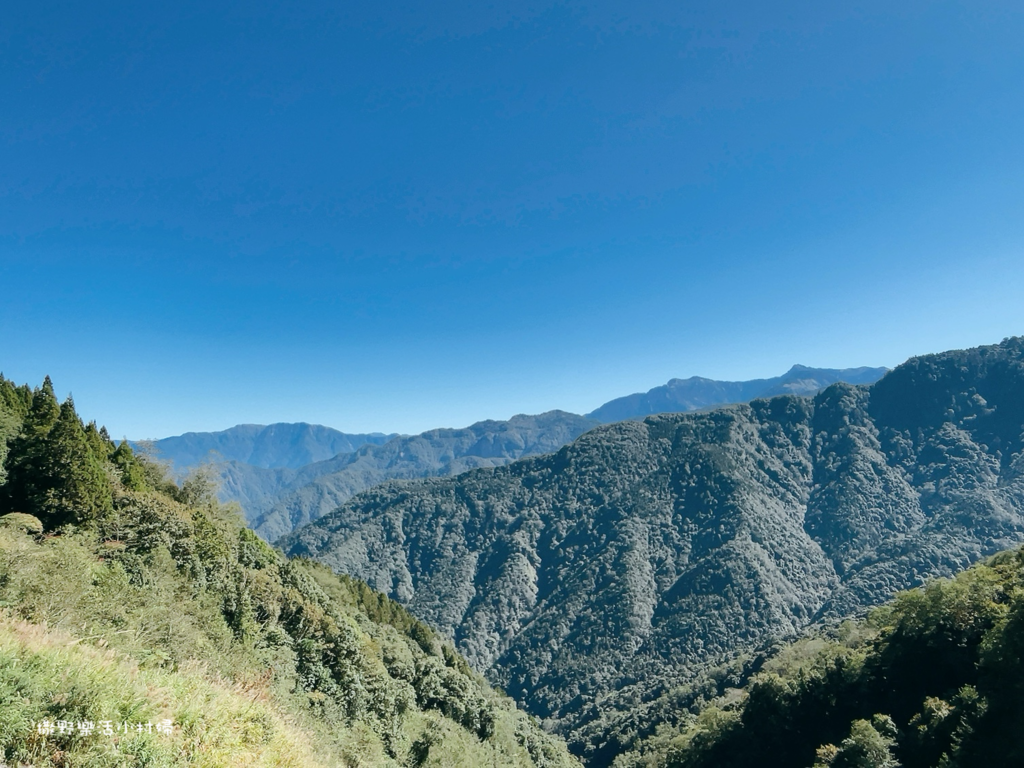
81,639
153,601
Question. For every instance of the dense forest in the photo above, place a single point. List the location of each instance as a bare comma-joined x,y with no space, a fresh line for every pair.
934,679
126,598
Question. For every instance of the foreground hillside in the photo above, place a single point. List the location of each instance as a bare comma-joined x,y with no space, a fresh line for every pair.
126,600
590,581
936,678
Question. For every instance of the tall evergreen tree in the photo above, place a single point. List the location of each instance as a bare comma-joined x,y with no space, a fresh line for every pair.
10,424
133,474
76,486
13,398
53,468
25,482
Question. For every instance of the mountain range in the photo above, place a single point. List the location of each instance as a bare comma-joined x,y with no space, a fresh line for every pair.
285,475
695,393
275,446
671,591
316,489
588,581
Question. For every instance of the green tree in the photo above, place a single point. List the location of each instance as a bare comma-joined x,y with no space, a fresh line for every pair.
133,473
10,424
869,745
100,446
61,480
26,484
15,399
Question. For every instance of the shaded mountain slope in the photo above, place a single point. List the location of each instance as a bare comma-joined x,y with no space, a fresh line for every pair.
585,581
695,393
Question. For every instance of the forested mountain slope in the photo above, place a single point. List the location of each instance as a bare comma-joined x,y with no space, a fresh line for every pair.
695,393
276,502
128,599
935,678
630,560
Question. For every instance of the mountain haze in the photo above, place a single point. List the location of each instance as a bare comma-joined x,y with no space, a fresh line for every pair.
695,393
317,489
585,581
274,446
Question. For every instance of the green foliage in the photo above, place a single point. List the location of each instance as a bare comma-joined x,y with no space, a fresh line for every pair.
25,470
869,745
170,580
14,399
10,424
19,521
70,483
132,470
943,663
55,468
46,675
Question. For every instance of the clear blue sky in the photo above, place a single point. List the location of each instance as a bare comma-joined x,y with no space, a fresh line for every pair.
395,216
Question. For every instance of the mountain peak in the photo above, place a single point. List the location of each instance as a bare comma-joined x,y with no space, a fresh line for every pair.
697,392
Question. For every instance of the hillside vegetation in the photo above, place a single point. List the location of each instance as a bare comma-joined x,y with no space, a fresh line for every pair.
125,597
590,582
934,679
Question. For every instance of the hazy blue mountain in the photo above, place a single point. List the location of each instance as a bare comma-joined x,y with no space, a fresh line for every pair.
273,446
279,494
315,490
587,581
695,393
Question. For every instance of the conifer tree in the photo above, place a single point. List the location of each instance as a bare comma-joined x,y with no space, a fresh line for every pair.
15,399
75,486
26,485
133,474
12,412
100,448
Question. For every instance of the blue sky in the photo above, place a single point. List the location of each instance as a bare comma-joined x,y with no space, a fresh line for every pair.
396,216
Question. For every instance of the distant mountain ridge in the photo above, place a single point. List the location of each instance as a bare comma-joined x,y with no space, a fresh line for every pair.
696,392
272,446
270,473
587,581
320,488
